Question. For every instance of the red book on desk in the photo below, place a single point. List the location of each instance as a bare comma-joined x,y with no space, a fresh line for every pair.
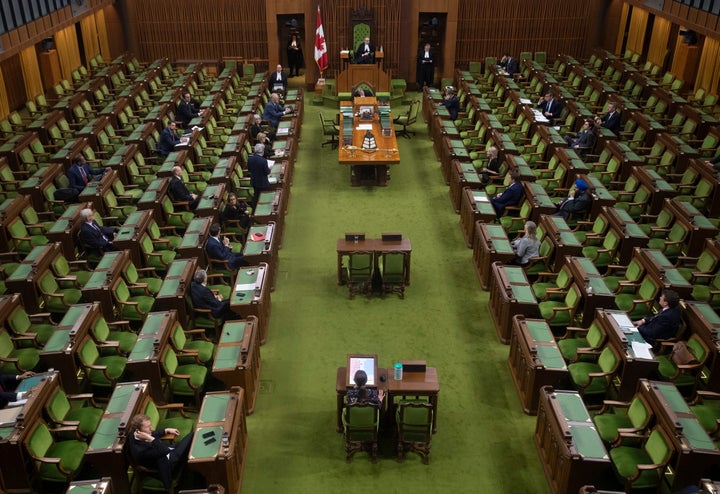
258,236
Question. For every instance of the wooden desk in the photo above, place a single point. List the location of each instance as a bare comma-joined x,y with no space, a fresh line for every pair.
621,335
193,242
175,288
705,322
369,167
452,149
663,272
99,287
629,233
490,245
595,293
565,243
132,232
462,176
475,206
36,185
144,359
263,250
695,223
67,229
271,208
412,384
98,486
696,453
222,417
105,451
25,278
510,294
535,360
237,359
152,199
570,449
251,296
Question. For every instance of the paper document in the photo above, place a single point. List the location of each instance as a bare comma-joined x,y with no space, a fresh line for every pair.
525,101
364,127
243,287
282,131
481,198
623,321
642,350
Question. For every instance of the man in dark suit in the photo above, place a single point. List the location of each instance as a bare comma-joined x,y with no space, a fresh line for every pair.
425,67
666,323
550,107
259,170
611,120
8,382
577,202
274,111
219,249
187,110
204,298
582,141
278,80
146,448
365,52
511,65
80,174
179,192
451,102
95,236
168,140
510,197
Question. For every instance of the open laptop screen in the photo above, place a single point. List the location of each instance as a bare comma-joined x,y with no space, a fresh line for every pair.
368,363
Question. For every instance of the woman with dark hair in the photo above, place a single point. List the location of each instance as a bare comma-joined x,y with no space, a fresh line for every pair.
361,394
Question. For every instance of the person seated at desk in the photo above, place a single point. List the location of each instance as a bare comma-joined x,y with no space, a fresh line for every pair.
8,382
220,250
611,120
492,169
278,80
274,111
257,127
584,140
549,107
451,102
168,140
527,246
666,323
577,202
147,449
236,212
187,110
511,196
365,52
179,192
361,394
362,93
94,236
80,174
263,139
204,298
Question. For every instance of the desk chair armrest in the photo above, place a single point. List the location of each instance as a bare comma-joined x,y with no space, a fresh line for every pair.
14,361
71,279
593,375
148,271
132,304
162,243
112,220
546,276
649,466
185,377
41,316
588,351
607,404
140,286
218,279
32,337
701,278
554,291
172,406
574,331
199,332
46,459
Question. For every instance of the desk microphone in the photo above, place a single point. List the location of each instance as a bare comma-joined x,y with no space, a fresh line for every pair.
383,378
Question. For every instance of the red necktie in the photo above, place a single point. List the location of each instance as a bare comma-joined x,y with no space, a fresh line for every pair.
84,175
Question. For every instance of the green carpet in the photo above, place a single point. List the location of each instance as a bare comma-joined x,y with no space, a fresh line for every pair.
484,441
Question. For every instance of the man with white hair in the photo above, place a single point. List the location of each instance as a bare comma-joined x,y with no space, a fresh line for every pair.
278,80
259,169
204,298
274,111
95,236
179,192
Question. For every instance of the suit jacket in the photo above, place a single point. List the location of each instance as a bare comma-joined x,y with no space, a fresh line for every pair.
96,236
158,455
273,113
510,197
584,139
9,382
555,109
274,79
75,176
186,112
167,142
453,106
512,66
178,191
581,202
259,171
203,298
664,324
611,122
365,56
216,249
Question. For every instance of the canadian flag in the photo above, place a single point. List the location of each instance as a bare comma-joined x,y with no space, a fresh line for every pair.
321,57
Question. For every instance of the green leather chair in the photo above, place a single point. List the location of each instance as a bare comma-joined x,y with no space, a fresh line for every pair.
186,380
594,378
655,452
54,461
360,429
80,411
16,360
102,372
617,418
414,427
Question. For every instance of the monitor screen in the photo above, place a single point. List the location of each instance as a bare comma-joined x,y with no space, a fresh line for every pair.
367,112
368,363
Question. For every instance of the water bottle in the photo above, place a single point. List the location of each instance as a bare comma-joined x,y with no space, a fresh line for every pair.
398,372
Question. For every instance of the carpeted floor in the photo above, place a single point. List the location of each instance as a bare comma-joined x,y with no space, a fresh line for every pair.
484,441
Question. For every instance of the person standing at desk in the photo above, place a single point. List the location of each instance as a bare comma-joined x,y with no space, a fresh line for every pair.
365,52
666,323
148,450
259,169
8,382
187,110
274,111
425,67
278,81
